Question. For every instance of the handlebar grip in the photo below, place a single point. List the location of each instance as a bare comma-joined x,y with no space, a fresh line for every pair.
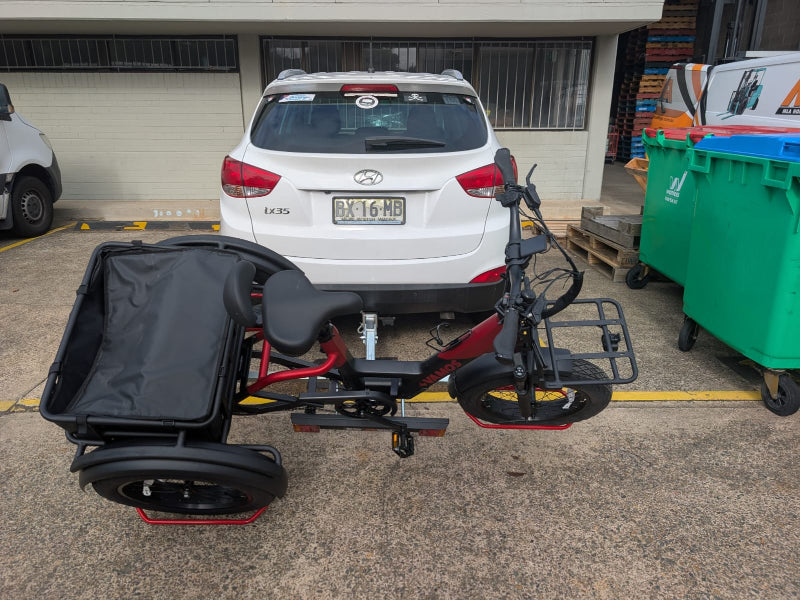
502,158
506,341
567,298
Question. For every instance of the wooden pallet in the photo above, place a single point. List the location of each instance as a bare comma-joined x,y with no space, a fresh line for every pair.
624,230
609,258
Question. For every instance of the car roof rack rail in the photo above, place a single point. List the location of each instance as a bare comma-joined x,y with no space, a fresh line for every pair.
453,73
290,72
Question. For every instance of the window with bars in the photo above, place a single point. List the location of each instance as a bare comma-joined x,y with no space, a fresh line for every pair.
523,84
118,53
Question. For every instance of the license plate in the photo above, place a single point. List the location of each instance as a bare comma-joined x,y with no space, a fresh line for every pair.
369,211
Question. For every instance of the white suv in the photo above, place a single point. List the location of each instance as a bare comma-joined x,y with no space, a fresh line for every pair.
379,183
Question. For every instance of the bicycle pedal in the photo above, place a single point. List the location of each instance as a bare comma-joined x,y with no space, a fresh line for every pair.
402,444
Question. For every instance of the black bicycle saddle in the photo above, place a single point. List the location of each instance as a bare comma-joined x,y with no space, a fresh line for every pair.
294,311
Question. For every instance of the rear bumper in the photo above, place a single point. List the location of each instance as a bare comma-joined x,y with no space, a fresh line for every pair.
405,298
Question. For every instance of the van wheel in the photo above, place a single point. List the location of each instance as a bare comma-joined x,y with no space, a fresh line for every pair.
31,207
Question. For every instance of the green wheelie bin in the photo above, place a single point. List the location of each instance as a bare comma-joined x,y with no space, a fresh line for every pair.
743,274
668,207
670,198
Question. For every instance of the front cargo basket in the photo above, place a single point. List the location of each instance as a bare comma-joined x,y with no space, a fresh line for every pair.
591,323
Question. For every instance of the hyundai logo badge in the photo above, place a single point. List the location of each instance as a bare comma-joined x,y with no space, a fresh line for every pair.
368,177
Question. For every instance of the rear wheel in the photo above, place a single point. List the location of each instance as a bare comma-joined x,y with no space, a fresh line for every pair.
184,488
205,480
495,400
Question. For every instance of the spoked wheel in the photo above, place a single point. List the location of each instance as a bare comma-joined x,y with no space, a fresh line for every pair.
637,277
207,486
787,401
496,400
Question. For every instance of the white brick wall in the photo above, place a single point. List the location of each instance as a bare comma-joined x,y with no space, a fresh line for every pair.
134,136
560,156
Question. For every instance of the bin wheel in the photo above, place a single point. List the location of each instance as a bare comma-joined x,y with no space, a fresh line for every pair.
170,481
688,335
787,401
637,277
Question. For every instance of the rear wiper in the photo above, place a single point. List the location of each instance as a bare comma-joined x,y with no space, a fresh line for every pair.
391,143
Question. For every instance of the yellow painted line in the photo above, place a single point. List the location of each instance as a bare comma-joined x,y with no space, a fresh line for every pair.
703,396
19,243
722,395
707,396
137,226
251,400
85,227
215,227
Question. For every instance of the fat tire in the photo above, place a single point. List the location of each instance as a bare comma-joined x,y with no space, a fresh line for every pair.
788,400
33,220
232,479
590,399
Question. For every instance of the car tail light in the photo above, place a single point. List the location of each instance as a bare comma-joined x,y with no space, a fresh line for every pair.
379,88
484,181
491,276
240,180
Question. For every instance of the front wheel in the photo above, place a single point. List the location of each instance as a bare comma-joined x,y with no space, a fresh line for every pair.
31,207
495,400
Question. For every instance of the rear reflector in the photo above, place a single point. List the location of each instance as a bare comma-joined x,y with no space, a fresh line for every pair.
240,180
492,276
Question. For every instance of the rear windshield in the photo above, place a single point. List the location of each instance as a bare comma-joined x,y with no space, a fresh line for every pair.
330,122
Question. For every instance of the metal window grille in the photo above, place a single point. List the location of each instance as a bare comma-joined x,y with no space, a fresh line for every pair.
118,53
523,84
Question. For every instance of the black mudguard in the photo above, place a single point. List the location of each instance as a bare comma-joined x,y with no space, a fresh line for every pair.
488,367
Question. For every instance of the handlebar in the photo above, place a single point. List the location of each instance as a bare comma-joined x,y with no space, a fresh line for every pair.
502,158
506,341
516,262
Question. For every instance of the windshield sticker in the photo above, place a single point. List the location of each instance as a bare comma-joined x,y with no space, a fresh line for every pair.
297,98
366,102
416,98
451,99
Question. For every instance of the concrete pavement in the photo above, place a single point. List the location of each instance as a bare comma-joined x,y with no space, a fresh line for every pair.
658,499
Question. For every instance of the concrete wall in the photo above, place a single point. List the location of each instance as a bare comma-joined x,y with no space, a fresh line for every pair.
526,18
134,136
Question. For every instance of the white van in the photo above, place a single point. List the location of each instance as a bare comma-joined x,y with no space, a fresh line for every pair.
759,92
30,180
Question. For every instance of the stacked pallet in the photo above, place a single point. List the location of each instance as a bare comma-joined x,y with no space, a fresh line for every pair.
666,42
609,243
633,66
